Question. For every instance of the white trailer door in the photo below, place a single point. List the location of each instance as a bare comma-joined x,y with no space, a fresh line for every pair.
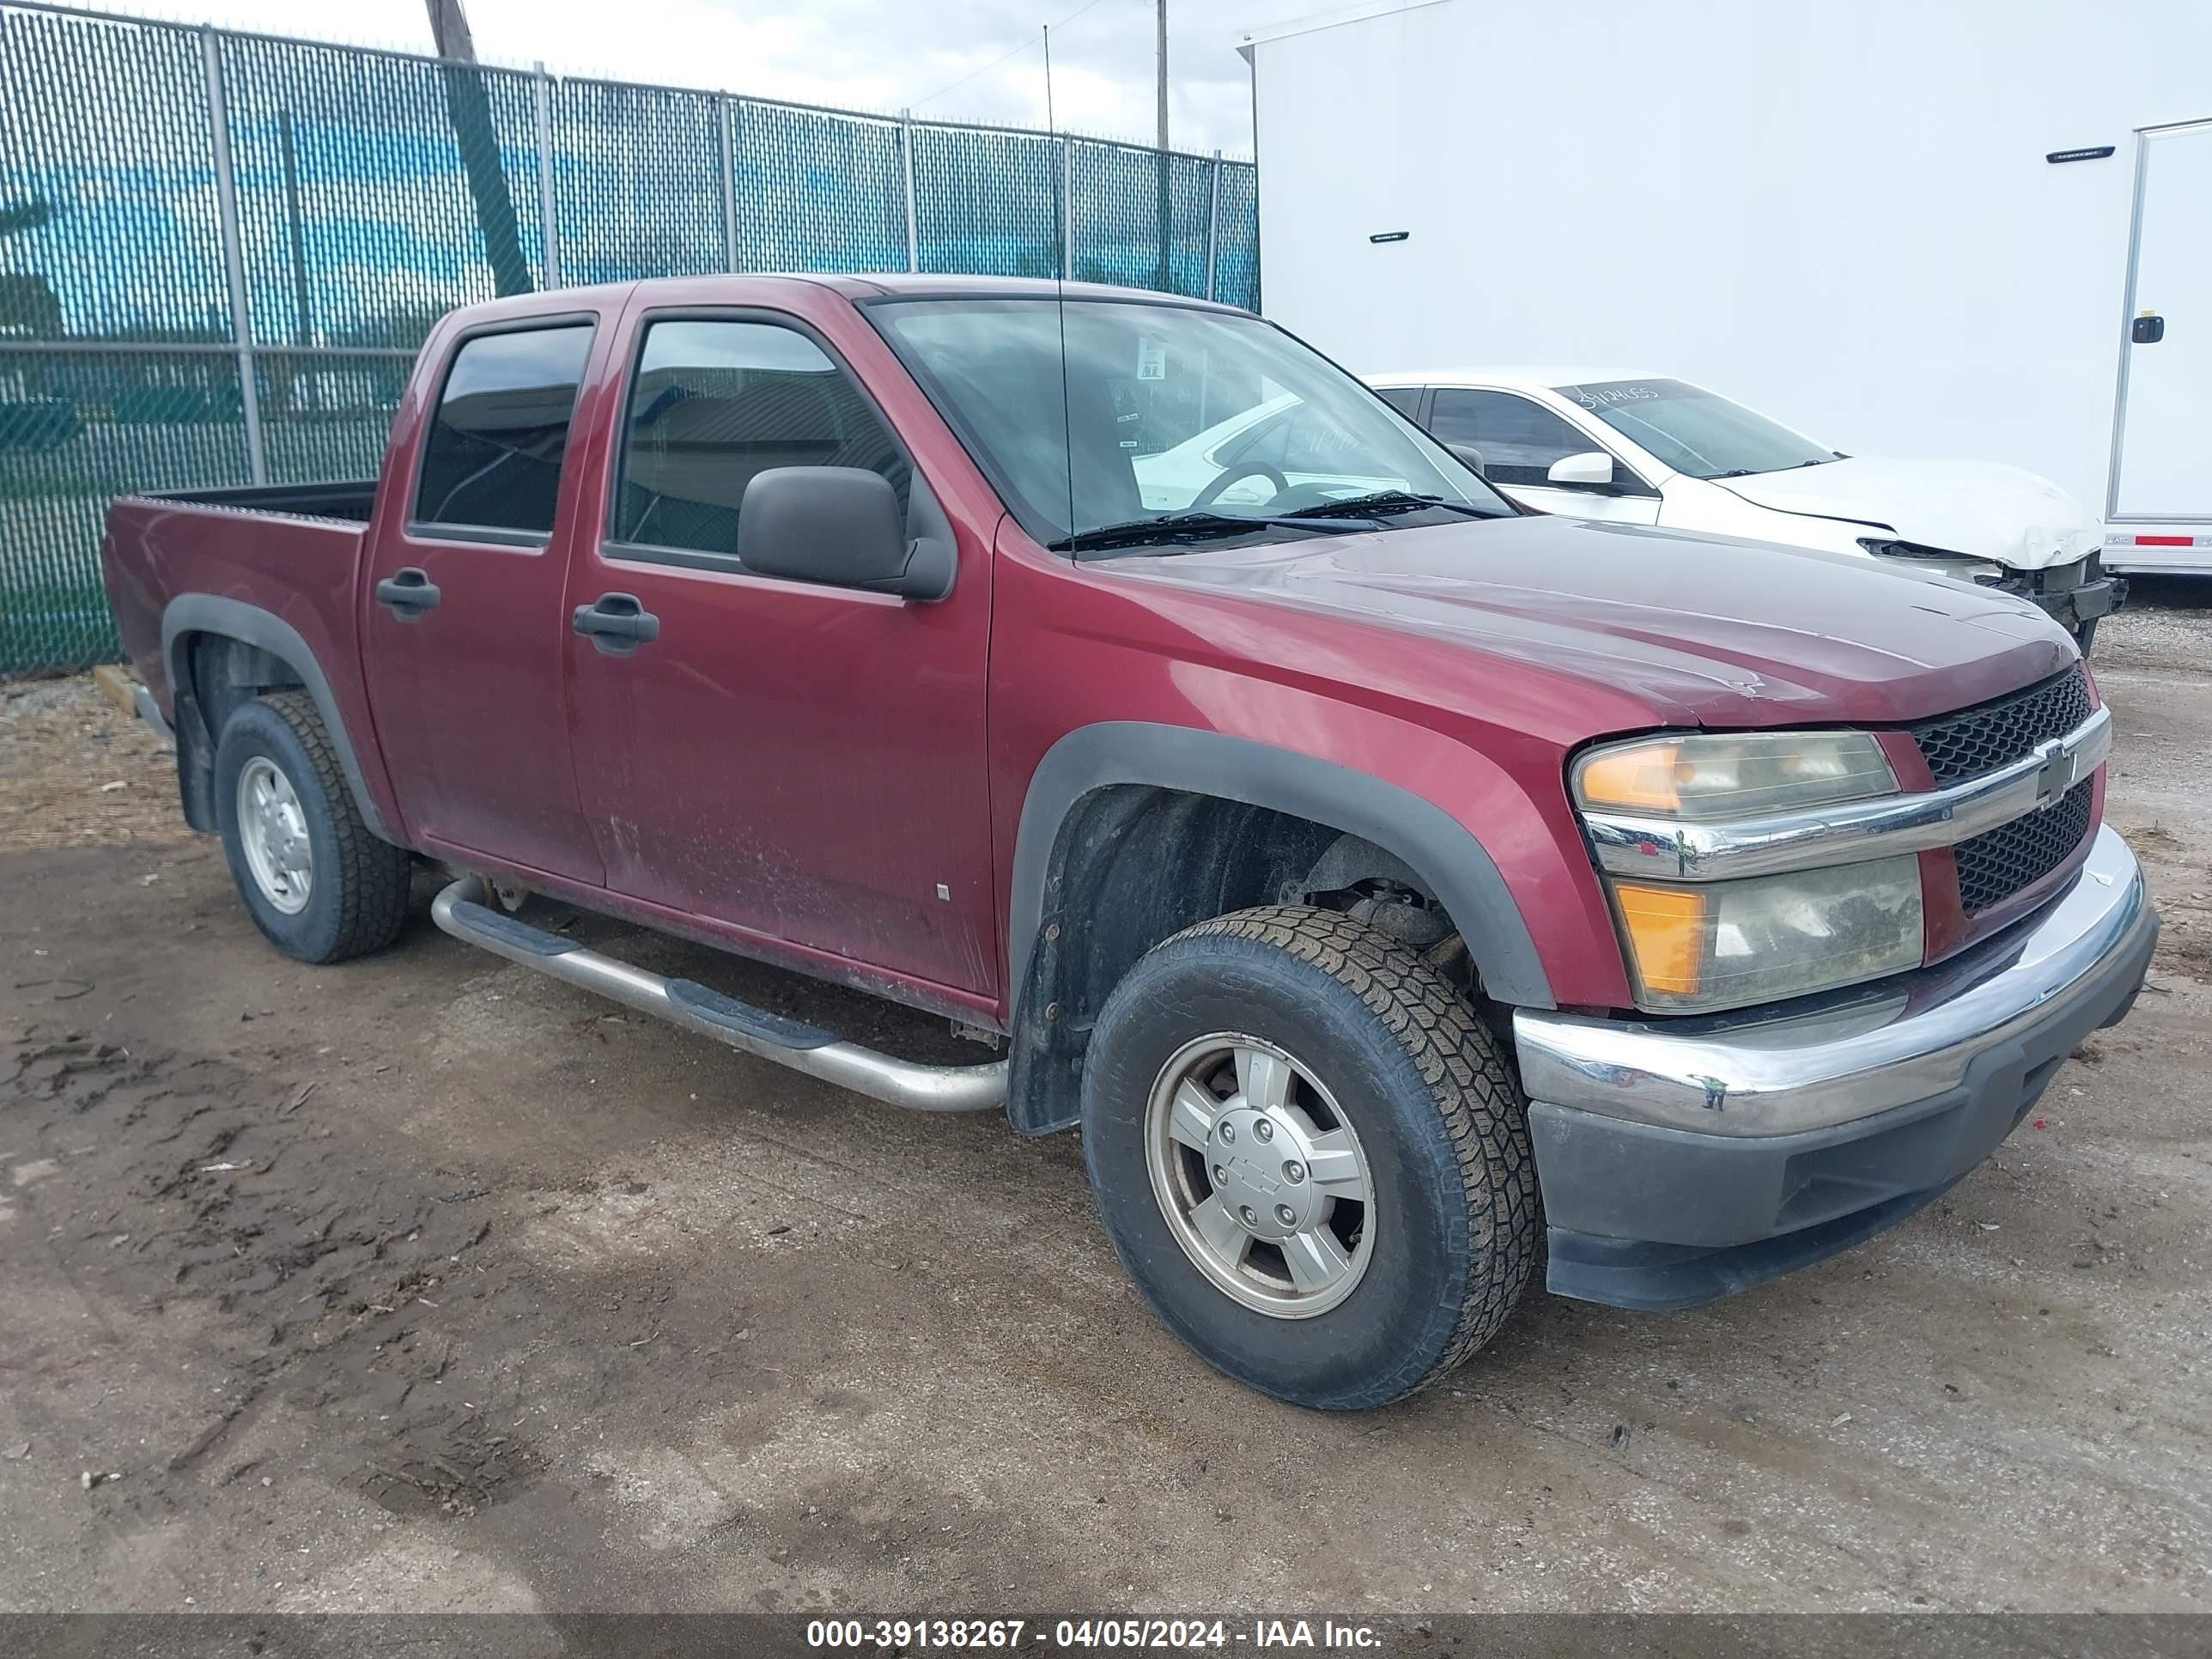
2164,467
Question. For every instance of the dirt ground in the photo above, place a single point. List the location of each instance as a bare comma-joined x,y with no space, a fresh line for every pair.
427,1283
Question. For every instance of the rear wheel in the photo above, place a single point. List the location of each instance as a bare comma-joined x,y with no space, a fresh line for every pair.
1309,1156
319,885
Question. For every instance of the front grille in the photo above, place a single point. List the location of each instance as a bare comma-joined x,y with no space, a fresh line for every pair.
1993,866
1981,739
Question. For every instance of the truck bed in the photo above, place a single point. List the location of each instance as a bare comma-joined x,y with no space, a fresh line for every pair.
351,500
298,545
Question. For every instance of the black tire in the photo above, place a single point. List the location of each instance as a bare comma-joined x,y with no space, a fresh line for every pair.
357,899
1457,1225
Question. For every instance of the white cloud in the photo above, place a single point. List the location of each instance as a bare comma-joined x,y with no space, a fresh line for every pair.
874,55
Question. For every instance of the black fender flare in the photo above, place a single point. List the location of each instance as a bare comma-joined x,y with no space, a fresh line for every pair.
1439,849
208,613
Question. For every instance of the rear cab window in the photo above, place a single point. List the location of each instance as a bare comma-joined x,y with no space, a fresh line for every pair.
491,457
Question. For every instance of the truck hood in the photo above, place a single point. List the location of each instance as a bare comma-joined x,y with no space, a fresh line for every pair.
1683,628
1983,509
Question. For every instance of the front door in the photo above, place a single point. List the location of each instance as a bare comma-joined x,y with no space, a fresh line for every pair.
463,634
1521,440
804,764
2164,469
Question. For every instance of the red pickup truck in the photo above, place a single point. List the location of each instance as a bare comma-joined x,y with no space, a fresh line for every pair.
1399,889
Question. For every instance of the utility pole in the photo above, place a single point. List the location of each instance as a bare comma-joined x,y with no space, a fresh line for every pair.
1160,47
1165,280
469,107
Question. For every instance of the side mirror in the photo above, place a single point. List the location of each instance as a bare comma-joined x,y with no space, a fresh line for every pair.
839,526
1471,455
1593,469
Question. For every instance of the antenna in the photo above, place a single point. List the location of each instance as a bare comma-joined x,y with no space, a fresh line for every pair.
1062,191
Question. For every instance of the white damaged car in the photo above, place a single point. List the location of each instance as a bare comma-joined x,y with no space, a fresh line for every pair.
1613,444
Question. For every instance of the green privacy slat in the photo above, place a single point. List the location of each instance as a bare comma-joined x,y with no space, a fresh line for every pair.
1124,199
637,181
986,201
816,191
106,180
77,428
356,205
376,191
1236,248
325,415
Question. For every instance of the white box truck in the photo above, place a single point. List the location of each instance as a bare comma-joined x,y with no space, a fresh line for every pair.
1976,230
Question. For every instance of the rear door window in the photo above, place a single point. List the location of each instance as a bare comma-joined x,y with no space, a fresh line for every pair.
715,401
1519,440
1405,399
492,461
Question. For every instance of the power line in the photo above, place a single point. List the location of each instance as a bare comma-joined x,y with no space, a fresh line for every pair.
1003,58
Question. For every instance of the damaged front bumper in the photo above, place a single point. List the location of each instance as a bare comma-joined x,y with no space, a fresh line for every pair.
2074,596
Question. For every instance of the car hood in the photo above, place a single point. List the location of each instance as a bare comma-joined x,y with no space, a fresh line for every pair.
1683,628
1983,509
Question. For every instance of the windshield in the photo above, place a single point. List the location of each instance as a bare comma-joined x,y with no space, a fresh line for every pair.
1693,431
1171,424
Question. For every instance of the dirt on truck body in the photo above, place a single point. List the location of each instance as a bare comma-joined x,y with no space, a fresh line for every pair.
735,1341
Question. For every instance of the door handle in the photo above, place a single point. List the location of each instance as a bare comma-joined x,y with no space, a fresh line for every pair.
616,623
409,592
2148,329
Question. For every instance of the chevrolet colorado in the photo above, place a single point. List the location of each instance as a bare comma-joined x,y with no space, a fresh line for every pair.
1399,889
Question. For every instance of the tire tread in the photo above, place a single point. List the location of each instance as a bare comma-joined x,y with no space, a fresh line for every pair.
1477,1101
373,876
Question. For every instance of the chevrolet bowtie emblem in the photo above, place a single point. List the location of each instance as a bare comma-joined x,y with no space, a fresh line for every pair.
2054,776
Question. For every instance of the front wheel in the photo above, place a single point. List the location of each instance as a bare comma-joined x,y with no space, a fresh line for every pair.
1310,1157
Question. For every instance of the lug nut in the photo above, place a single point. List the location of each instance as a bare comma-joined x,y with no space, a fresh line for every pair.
1229,1134
1221,1175
1264,1129
1286,1215
1251,1219
1294,1172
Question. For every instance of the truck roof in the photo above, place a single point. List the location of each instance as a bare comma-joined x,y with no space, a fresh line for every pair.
747,289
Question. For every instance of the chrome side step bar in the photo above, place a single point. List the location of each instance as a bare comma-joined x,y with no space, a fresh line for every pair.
460,910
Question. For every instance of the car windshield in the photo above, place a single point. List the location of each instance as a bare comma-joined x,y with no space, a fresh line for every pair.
1134,425
1693,431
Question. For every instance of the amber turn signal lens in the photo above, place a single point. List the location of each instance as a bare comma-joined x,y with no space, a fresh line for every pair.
1666,928
1638,777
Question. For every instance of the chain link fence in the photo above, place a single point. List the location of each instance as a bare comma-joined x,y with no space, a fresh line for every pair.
219,250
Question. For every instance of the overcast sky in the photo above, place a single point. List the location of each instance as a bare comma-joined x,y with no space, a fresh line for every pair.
940,60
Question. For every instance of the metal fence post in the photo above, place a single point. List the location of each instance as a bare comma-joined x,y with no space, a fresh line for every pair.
1213,225
1068,209
234,258
549,222
906,166
729,184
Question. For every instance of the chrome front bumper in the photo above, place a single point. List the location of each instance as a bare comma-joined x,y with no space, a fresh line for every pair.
1681,1160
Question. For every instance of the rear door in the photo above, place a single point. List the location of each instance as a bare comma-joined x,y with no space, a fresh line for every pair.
463,635
2163,468
1521,439
801,762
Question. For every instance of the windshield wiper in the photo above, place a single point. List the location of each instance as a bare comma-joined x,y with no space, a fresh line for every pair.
1195,526
1388,501
1757,471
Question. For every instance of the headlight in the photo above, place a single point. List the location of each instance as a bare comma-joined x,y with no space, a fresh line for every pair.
1730,777
1724,944
1706,945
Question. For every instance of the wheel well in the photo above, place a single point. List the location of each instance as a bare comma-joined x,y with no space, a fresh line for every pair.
215,674
1132,864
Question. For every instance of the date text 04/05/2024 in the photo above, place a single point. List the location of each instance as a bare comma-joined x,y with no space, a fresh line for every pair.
908,1634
